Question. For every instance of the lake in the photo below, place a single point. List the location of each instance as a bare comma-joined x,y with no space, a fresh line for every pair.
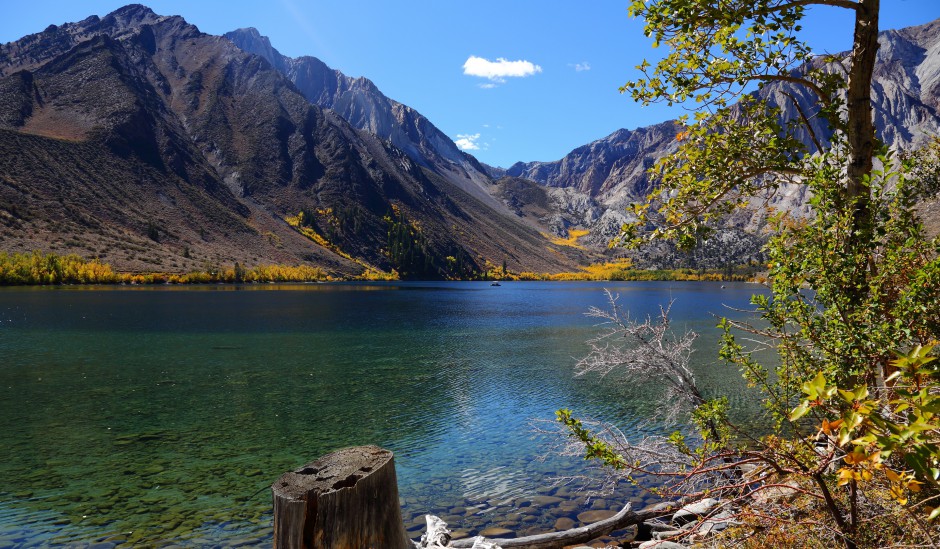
161,415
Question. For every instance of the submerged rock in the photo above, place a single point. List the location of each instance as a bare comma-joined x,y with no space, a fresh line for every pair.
588,517
497,532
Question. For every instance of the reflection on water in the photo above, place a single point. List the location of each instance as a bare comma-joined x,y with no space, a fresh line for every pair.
161,414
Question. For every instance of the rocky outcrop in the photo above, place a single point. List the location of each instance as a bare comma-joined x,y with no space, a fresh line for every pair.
610,170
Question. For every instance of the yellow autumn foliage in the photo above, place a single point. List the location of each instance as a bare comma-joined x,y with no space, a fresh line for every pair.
40,268
572,240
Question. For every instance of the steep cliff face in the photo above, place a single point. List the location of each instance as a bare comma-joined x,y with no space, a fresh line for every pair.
610,173
204,152
607,168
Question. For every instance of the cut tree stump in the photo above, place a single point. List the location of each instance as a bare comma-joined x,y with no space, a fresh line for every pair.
344,500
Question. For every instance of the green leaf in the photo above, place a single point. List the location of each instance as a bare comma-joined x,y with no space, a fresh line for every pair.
815,387
799,411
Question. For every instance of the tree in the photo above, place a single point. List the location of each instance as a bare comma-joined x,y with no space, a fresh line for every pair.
853,288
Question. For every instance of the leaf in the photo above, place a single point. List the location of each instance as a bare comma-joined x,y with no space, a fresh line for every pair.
844,437
845,476
864,440
854,458
815,387
847,396
898,494
799,411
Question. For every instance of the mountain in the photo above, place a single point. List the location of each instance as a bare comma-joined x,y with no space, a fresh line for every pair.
360,102
137,138
593,184
602,178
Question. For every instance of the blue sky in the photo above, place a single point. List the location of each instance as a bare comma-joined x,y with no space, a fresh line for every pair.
574,56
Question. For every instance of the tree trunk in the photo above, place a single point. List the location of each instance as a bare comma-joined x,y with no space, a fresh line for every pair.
344,500
860,130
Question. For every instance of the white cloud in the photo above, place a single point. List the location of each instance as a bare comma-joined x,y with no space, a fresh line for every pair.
467,142
488,85
499,70
582,66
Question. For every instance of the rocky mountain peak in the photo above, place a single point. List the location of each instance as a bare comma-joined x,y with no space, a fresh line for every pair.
132,15
360,102
250,40
612,171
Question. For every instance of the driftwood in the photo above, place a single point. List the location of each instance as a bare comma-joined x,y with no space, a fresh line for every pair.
344,500
555,540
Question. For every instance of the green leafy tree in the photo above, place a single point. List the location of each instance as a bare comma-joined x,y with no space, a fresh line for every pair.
852,287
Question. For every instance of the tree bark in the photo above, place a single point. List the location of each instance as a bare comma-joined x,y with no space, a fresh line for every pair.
860,131
344,500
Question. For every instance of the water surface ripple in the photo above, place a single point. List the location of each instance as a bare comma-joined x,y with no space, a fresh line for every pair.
160,415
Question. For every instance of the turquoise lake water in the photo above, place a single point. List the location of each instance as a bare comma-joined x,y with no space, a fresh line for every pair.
160,415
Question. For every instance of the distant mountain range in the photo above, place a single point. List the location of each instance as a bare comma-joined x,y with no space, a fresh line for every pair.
138,139
603,177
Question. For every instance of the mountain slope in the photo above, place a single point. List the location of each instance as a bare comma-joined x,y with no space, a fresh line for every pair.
361,103
610,173
210,152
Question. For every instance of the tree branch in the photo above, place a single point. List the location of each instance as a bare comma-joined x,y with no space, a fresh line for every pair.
803,117
847,4
794,80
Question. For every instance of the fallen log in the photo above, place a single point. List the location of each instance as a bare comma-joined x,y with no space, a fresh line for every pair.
556,540
344,500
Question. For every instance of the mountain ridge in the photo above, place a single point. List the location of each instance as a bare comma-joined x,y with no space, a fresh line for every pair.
189,124
227,127
362,104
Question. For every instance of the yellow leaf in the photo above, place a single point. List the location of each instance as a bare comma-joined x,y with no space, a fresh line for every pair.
829,426
845,475
855,457
892,476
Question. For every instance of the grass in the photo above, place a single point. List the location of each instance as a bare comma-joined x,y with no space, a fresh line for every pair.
39,268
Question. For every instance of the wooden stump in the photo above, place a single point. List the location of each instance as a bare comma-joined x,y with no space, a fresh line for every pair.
344,500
